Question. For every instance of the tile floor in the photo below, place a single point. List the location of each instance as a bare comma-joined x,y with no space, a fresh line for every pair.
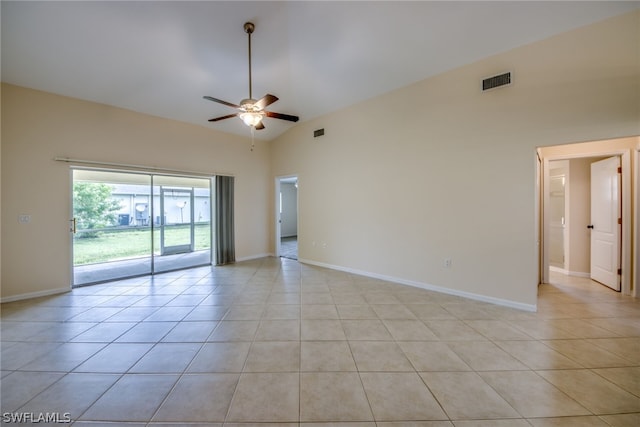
275,341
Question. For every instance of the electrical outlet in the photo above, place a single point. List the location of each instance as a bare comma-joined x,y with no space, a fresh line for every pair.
447,263
24,219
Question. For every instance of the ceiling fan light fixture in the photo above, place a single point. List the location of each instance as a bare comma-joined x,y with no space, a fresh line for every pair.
251,118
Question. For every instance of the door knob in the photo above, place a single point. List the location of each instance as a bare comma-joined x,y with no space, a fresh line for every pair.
590,226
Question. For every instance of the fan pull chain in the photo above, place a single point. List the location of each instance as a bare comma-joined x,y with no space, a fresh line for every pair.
253,132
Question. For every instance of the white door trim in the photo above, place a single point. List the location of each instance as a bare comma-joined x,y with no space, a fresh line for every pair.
625,156
276,211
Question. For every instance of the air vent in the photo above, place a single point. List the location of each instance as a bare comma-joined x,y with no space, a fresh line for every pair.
496,81
318,132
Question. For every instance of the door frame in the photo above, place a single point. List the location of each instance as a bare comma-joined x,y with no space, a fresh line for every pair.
626,237
276,211
176,249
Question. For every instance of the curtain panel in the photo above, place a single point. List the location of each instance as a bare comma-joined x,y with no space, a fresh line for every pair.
224,236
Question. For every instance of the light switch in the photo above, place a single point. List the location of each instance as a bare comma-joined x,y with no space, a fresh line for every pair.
24,219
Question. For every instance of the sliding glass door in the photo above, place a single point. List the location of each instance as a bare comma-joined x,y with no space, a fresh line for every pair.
128,224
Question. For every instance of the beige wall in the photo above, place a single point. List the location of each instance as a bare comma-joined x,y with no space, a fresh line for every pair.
439,170
433,171
37,127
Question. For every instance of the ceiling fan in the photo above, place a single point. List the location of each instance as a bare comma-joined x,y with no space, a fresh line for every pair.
252,111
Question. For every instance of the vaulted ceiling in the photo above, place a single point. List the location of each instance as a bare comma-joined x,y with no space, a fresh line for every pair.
160,58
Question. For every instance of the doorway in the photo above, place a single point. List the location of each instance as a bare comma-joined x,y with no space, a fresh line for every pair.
128,224
287,217
577,235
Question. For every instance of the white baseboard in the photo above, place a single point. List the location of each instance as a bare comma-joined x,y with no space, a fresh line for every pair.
558,270
428,287
570,273
35,295
579,274
252,257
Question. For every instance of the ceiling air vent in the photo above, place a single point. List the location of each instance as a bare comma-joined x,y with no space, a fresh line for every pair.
496,81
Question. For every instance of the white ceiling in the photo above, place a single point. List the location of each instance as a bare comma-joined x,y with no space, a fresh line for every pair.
160,58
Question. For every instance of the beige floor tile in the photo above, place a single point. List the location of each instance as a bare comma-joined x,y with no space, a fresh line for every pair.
453,330
220,357
497,330
330,396
536,355
400,396
281,312
468,310
433,356
582,329
595,393
190,332
465,395
115,358
317,330
234,330
492,423
587,354
206,313
122,402
622,420
64,358
379,356
541,329
348,297
312,298
266,397
368,330
356,311
485,356
409,330
104,332
531,395
278,330
201,397
73,394
626,378
393,311
150,332
430,312
273,356
20,387
245,312
319,311
592,421
167,358
318,356
169,314
627,348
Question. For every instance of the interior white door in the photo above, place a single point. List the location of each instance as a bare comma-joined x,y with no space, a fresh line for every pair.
605,228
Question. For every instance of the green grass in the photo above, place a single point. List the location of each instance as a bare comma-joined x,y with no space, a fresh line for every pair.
116,244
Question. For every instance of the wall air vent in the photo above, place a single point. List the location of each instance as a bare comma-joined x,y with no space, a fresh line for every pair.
496,81
318,132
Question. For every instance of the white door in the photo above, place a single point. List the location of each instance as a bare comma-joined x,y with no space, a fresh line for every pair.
605,228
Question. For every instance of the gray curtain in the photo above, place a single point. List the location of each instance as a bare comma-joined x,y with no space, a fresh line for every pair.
225,243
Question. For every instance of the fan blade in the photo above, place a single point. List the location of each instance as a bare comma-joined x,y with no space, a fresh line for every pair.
219,101
260,126
265,101
282,116
228,116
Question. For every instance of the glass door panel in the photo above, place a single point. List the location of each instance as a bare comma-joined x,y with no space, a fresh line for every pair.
112,237
182,237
